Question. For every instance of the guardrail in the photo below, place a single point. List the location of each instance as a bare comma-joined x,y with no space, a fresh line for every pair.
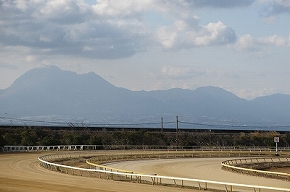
49,148
147,178
143,147
242,166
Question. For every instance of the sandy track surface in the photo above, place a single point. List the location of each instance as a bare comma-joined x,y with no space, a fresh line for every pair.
198,168
20,172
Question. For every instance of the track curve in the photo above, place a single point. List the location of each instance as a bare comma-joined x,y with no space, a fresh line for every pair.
197,168
20,172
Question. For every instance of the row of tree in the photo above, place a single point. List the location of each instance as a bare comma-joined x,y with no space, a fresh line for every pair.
28,136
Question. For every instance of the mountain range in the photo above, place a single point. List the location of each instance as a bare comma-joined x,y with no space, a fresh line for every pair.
51,92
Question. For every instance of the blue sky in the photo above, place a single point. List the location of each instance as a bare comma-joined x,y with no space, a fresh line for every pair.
242,46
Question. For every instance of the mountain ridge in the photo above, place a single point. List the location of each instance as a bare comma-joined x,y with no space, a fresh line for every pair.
54,92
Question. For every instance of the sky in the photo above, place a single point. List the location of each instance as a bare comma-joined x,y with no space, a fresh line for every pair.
241,46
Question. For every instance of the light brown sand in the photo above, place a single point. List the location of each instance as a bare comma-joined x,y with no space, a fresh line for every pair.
21,172
198,168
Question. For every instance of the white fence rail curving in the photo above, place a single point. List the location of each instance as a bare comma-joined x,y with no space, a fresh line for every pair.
49,148
147,178
249,149
242,166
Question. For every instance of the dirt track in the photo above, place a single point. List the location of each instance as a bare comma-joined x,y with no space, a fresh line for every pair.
21,172
198,168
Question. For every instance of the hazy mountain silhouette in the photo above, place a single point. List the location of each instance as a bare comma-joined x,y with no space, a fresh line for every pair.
51,91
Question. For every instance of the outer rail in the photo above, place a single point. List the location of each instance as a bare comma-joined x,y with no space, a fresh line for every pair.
8,148
153,179
237,165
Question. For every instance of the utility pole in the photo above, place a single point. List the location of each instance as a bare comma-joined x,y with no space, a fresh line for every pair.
176,132
161,124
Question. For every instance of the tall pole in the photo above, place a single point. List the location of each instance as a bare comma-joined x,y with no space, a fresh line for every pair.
161,124
176,132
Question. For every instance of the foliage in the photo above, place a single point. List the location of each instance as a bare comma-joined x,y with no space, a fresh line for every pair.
44,136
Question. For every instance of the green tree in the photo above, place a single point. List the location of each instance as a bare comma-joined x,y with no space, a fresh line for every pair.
48,140
3,141
28,138
13,138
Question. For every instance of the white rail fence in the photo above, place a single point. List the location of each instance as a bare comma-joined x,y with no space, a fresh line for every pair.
100,172
247,166
143,147
49,148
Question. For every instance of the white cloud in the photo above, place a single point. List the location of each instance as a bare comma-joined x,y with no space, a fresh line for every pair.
112,29
125,8
166,36
68,27
249,43
63,11
30,58
222,3
251,93
187,35
245,42
215,34
274,40
190,72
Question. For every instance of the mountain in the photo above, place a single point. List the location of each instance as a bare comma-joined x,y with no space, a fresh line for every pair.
52,92
272,108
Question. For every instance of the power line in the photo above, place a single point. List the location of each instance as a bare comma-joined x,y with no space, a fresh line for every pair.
14,121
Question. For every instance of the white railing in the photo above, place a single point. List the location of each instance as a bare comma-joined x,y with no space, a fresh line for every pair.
143,147
237,166
152,179
49,148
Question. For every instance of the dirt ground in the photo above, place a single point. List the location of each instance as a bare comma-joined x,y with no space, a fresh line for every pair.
198,168
21,172
282,170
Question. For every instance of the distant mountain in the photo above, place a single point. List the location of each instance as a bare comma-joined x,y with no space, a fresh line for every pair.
272,108
54,92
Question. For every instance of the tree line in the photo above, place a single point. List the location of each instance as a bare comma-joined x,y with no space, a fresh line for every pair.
41,136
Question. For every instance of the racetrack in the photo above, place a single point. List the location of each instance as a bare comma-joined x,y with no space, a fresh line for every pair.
198,168
20,172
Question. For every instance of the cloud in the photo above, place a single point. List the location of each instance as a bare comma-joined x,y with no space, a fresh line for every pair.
189,77
124,9
222,3
272,8
110,29
70,28
30,58
187,35
249,43
252,93
190,72
63,11
245,42
274,40
215,34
